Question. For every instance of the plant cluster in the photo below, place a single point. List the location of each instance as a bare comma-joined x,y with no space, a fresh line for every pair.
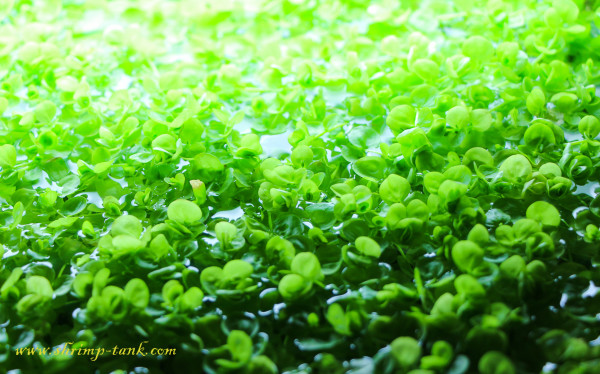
301,186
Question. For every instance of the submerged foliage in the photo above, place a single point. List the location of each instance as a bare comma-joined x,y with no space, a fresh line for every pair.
301,186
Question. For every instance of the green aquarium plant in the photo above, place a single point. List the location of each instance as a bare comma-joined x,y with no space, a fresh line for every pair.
285,186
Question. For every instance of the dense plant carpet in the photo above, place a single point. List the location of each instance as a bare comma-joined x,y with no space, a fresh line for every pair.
300,186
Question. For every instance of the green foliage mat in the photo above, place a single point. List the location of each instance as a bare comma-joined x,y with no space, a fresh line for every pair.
300,186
